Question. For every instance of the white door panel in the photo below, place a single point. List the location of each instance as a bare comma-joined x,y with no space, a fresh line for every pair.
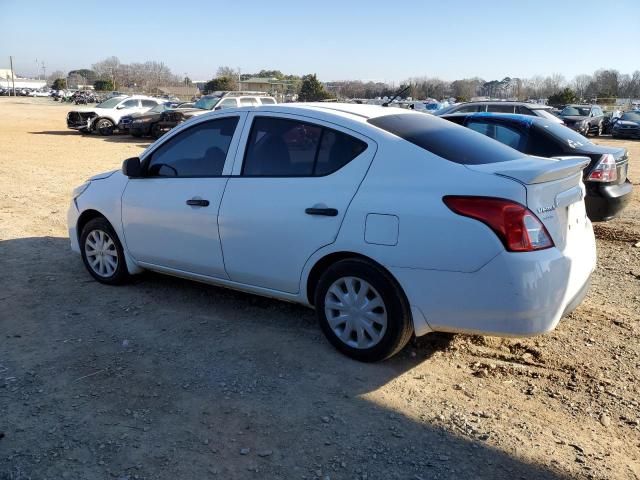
160,228
170,218
267,236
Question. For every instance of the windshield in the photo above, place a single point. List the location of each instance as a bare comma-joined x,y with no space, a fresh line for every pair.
631,116
112,102
566,135
207,103
575,111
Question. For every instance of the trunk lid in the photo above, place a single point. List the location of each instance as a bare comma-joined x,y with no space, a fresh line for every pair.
555,192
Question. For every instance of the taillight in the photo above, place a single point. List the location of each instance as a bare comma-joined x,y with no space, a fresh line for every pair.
605,170
514,224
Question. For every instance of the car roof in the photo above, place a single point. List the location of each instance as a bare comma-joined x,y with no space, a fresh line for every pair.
348,115
523,120
533,106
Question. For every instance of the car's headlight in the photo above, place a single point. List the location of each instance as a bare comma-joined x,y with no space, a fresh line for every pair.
79,190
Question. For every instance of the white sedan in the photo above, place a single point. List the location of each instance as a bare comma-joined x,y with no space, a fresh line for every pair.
390,223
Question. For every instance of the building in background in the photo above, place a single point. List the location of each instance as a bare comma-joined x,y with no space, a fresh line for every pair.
8,80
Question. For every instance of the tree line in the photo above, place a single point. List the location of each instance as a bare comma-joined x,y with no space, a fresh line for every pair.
111,74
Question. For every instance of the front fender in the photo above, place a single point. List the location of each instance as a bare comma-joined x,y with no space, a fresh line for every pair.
104,196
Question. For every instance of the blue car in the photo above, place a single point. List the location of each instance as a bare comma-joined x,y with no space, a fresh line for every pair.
607,188
627,126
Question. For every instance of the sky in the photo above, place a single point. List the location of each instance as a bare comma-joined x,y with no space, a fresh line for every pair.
337,40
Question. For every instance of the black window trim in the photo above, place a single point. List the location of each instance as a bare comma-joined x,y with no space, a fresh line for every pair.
307,122
148,158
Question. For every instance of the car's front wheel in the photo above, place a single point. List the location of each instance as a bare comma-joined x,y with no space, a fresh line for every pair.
156,131
599,131
105,127
102,252
362,310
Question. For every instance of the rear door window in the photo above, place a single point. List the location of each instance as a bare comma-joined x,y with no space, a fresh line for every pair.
524,110
267,101
248,101
503,134
445,139
469,109
227,103
500,108
279,147
149,103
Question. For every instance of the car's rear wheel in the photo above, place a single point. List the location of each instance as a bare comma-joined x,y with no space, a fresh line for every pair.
105,127
102,252
135,133
362,310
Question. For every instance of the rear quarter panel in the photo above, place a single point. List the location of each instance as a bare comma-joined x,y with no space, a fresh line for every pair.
409,182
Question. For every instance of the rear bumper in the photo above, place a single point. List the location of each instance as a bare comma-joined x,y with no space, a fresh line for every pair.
515,294
604,202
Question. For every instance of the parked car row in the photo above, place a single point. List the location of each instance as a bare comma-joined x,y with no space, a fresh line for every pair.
389,222
141,116
25,92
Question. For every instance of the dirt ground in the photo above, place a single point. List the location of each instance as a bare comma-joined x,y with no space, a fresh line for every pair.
169,379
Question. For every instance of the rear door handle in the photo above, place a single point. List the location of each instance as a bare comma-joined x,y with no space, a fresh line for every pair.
197,202
327,212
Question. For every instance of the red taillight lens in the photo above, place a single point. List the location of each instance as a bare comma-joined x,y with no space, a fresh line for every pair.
516,226
605,170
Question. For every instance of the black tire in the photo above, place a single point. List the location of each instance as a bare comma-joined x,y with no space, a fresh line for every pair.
135,133
399,326
120,274
155,132
104,127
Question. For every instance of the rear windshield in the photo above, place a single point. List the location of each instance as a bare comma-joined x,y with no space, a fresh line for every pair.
445,139
566,135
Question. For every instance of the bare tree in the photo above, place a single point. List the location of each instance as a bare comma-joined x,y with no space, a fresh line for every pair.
580,84
230,73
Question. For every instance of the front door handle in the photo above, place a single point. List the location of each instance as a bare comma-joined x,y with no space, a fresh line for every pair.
197,202
327,212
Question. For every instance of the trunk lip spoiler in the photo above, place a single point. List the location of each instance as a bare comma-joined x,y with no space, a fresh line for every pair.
530,170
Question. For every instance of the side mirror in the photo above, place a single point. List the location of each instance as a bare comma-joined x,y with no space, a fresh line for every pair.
218,108
131,167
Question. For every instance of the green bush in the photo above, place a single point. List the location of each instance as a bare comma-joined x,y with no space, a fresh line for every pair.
59,84
103,85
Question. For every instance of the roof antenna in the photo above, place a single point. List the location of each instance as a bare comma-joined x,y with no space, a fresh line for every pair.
400,92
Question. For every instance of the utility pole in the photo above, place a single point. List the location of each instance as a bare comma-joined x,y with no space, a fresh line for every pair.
239,76
13,82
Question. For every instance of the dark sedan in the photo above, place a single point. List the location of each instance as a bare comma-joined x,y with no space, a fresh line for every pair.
143,124
584,119
627,126
605,179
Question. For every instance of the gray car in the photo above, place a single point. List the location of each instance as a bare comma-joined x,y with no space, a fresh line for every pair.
584,119
522,108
